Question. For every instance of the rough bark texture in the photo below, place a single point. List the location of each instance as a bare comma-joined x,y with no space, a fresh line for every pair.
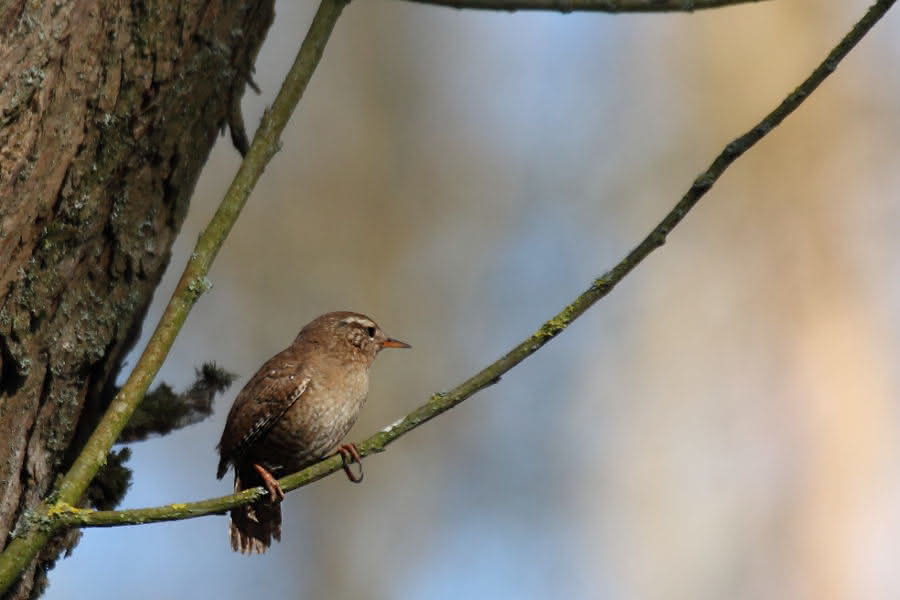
108,111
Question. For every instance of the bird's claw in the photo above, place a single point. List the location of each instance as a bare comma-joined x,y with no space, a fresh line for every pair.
276,494
349,455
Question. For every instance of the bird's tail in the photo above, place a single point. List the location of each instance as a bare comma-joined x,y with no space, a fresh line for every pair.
254,525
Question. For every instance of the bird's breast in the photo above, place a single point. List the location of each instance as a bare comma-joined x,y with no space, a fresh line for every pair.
315,424
333,402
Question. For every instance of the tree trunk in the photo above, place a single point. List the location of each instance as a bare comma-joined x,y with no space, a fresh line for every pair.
108,111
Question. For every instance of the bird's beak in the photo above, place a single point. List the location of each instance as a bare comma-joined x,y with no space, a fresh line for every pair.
392,343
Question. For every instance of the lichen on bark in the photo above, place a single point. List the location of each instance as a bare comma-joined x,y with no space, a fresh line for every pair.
109,112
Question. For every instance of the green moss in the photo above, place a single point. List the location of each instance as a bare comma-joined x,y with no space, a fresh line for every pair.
111,482
163,410
555,325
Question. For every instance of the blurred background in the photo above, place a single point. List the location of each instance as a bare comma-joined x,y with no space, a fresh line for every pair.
723,425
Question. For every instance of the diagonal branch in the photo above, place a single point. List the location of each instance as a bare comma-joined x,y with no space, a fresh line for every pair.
40,525
567,6
67,515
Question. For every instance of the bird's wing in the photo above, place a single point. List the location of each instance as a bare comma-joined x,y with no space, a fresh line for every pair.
269,394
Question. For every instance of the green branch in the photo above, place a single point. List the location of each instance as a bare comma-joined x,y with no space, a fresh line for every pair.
41,524
567,6
441,402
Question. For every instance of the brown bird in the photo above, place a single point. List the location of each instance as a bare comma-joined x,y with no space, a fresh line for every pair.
295,411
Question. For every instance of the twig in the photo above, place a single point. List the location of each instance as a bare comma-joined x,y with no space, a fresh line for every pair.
25,546
567,6
442,402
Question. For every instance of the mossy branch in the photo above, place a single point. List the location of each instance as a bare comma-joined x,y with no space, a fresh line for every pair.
25,546
607,6
441,402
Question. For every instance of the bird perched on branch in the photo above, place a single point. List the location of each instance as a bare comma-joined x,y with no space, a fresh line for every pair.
295,411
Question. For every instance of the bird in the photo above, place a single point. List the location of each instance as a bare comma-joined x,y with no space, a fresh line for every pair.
295,411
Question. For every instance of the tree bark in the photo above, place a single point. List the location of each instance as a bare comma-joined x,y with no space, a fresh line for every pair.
108,111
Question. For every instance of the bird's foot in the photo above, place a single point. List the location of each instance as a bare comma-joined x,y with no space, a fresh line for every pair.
276,494
349,455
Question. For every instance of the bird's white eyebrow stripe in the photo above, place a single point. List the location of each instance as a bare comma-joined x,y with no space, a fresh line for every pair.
360,320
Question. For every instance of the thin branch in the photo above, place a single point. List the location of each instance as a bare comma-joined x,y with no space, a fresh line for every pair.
441,402
25,546
607,6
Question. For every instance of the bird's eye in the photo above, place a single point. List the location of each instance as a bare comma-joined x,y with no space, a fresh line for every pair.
370,331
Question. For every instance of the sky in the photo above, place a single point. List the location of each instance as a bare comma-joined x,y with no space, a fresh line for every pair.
724,424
